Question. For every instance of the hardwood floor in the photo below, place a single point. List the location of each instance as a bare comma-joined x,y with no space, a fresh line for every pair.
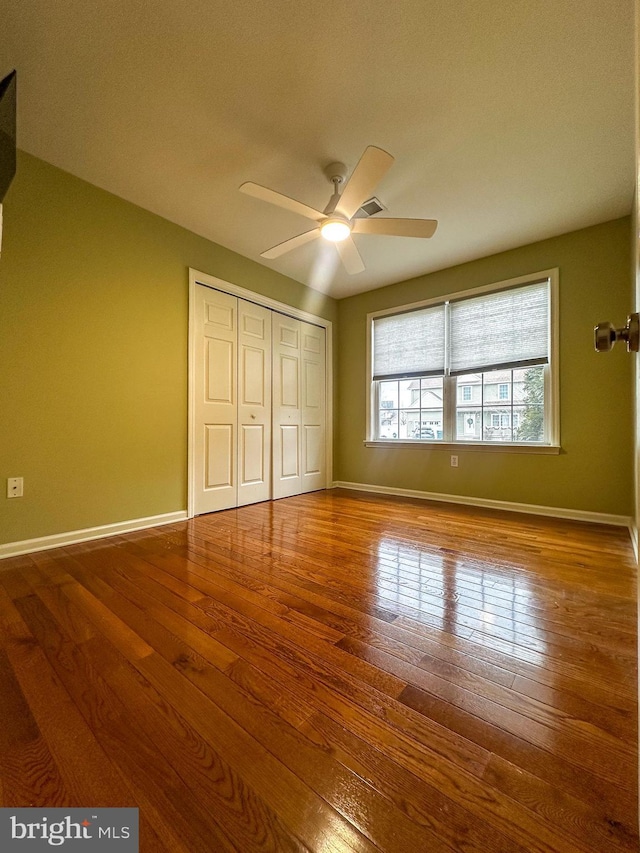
331,672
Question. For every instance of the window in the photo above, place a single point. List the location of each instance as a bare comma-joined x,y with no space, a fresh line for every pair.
410,408
475,367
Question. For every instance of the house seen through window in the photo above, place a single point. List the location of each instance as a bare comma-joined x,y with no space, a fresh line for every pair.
476,367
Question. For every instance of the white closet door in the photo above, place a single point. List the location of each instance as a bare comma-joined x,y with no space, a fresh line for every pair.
287,406
254,403
313,381
216,406
299,407
260,403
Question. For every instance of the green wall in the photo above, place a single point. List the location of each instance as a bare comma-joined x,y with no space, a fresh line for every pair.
594,470
93,352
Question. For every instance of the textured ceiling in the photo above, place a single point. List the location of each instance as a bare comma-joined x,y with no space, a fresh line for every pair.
510,122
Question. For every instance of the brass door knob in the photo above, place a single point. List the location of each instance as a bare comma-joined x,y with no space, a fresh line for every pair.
605,335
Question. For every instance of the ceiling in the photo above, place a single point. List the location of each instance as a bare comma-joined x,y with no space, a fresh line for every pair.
510,122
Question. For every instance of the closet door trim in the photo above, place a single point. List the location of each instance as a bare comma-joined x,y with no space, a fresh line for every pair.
199,278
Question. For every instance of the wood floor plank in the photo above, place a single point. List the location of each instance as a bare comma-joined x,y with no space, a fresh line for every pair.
497,617
30,777
186,645
513,711
572,817
390,734
18,725
316,823
88,774
464,621
344,619
219,802
372,814
406,745
317,667
248,821
588,711
336,671
426,805
274,785
468,656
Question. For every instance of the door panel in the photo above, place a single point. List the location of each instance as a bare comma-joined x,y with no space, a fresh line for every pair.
299,410
289,334
215,402
252,384
289,383
312,386
254,408
252,455
221,314
289,445
287,412
220,364
313,395
219,462
313,445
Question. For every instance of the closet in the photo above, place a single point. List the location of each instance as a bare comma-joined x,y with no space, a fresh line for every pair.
259,403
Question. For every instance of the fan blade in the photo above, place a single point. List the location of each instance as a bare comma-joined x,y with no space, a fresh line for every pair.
371,168
350,256
395,227
293,243
273,197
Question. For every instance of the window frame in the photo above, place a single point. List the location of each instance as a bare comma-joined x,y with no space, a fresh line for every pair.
551,443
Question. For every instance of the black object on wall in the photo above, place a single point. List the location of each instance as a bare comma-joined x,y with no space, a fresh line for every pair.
7,132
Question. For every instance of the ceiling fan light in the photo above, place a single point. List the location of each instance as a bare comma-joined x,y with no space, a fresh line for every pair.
335,230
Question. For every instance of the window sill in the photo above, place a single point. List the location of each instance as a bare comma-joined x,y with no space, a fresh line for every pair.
460,446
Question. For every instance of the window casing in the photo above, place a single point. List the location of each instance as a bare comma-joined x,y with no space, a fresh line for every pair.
477,368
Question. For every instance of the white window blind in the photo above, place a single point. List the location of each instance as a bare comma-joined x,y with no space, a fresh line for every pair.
506,329
410,344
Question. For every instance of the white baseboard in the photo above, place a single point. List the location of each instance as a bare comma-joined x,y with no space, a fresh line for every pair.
508,506
43,543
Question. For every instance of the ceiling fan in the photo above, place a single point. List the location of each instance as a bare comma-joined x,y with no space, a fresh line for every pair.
337,221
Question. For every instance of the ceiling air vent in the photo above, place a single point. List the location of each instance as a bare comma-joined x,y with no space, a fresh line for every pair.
369,208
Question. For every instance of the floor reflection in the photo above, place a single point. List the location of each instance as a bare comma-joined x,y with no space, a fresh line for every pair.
491,603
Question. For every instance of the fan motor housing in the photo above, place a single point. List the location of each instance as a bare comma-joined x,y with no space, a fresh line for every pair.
336,172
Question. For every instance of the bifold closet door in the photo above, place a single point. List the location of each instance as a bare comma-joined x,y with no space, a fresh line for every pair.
259,408
313,394
254,403
216,403
298,407
233,402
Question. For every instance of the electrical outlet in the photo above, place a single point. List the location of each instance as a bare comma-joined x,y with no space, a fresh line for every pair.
15,487
454,461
